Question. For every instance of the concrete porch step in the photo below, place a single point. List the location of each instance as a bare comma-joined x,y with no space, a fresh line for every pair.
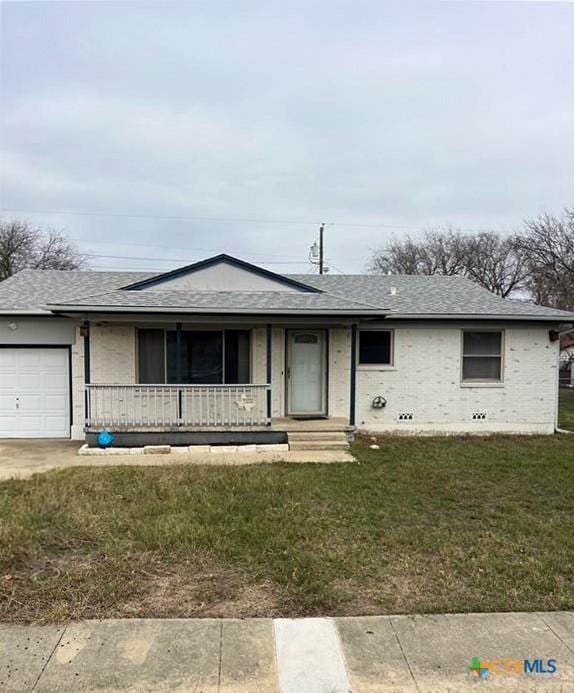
318,439
317,435
318,444
290,425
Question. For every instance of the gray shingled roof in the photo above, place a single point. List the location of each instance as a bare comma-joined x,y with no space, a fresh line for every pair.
434,296
32,290
230,301
414,296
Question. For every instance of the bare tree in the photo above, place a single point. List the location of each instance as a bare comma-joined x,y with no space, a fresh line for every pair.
495,262
548,243
444,252
438,252
398,257
498,263
23,246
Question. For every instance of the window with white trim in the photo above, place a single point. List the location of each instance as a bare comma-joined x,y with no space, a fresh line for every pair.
375,347
482,356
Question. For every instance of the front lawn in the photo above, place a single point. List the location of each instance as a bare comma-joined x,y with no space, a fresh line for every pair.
421,525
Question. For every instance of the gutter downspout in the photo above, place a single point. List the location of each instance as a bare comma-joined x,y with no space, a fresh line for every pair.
87,368
178,371
353,375
557,428
269,352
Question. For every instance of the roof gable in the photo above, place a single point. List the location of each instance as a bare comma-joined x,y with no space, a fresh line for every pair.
221,273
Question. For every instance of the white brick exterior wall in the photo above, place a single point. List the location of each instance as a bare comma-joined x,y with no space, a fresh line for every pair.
113,354
112,360
425,380
339,372
258,355
78,403
278,372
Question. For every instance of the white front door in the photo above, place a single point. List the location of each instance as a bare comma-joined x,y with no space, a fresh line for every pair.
34,393
306,373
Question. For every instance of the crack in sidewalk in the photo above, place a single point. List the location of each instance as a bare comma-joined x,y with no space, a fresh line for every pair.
400,644
220,656
566,645
49,658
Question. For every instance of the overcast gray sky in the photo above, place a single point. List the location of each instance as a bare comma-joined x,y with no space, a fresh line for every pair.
363,114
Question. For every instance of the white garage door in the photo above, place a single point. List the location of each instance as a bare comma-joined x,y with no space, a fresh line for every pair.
34,393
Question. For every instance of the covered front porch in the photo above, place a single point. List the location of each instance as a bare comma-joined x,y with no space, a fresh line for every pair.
224,381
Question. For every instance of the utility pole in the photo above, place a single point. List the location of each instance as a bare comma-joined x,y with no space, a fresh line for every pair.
317,251
321,249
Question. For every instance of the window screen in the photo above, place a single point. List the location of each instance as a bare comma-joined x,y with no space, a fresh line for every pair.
375,347
482,356
237,356
208,357
151,356
201,357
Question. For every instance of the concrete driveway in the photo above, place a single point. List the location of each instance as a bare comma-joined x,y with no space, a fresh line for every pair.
20,458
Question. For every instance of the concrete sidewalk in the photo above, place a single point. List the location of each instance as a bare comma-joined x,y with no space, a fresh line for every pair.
318,655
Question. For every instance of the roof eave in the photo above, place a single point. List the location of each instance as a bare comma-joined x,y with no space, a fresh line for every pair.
39,312
54,308
482,316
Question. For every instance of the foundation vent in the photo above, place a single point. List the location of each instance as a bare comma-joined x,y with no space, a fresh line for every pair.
479,416
405,416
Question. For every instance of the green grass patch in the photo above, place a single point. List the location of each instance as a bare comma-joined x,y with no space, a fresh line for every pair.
420,525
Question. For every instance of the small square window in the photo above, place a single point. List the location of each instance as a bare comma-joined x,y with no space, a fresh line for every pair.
482,356
375,347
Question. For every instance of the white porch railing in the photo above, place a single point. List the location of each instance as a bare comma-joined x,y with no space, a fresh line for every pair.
154,406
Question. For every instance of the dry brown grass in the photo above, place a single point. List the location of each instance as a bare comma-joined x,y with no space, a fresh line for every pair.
421,525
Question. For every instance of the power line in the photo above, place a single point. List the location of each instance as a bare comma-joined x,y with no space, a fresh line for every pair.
156,245
160,270
171,259
174,217
330,264
138,245
234,220
287,259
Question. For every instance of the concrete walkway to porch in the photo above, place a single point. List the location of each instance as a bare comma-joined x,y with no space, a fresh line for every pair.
21,459
315,655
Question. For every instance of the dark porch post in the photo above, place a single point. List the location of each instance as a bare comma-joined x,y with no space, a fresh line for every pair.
85,331
178,367
269,371
353,374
